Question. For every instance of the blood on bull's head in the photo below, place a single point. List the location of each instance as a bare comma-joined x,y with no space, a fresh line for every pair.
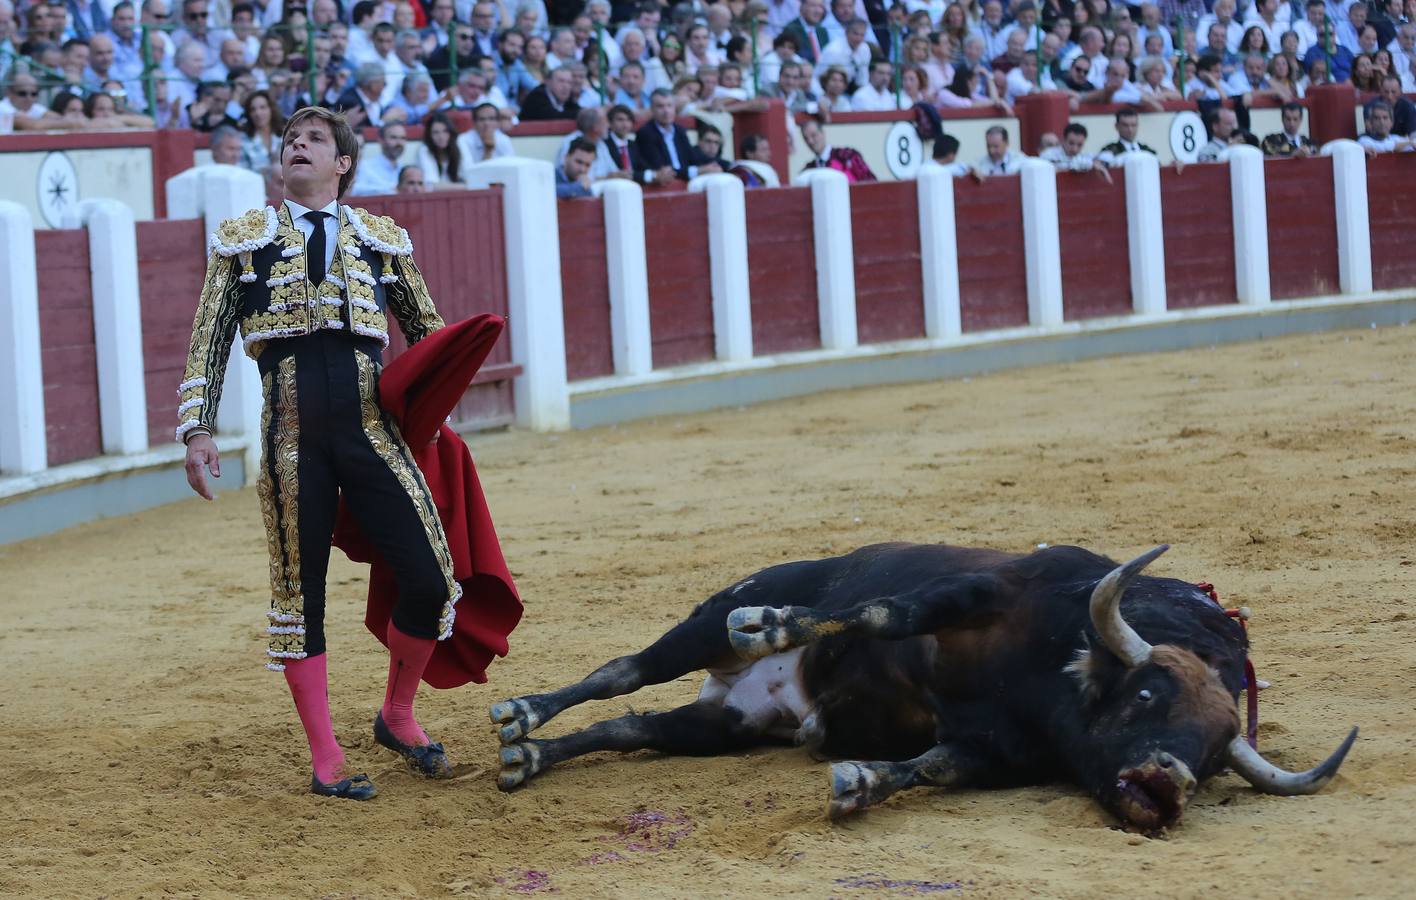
1159,720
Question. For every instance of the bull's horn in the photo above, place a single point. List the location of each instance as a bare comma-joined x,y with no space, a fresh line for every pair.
1120,638
1270,779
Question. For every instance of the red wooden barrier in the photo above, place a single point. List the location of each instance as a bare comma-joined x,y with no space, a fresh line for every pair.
1391,195
67,354
993,280
781,271
585,289
885,232
1302,224
1199,235
171,268
459,244
1096,259
680,281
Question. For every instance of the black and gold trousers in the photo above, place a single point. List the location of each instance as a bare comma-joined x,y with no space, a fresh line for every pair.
323,435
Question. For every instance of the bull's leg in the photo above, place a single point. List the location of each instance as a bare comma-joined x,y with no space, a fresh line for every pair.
698,642
856,785
698,729
757,631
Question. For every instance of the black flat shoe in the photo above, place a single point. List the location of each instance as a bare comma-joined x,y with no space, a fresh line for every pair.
355,787
429,759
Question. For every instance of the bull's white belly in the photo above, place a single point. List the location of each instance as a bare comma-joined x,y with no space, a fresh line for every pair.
768,692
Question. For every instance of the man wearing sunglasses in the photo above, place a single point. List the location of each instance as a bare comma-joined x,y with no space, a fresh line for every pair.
438,62
22,108
196,22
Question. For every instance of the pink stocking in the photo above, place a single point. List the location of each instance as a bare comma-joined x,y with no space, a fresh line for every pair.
309,684
407,658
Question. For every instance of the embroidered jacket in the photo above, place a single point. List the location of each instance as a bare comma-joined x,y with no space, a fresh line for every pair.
255,278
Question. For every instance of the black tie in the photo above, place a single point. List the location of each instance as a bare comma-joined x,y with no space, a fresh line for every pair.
315,248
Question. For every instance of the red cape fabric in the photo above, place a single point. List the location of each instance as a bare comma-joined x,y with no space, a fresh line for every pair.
419,389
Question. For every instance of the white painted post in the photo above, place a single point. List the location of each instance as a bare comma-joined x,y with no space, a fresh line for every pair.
630,338
1250,202
727,259
1145,233
117,322
23,448
1354,229
835,256
1042,245
533,277
938,252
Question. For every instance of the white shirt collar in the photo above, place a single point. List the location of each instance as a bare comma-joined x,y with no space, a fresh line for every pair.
297,211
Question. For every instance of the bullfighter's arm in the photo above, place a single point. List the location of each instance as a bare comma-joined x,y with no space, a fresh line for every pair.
213,330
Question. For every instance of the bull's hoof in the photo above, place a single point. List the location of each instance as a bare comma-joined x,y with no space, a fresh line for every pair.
851,784
757,631
519,718
519,763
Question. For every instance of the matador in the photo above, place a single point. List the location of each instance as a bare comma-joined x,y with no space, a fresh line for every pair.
311,285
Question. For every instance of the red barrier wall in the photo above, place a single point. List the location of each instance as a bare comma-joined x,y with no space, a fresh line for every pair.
680,282
71,415
171,270
585,289
1199,235
781,271
1302,224
1096,258
460,247
993,280
1391,196
885,233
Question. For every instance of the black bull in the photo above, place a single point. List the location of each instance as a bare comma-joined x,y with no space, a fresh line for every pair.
945,666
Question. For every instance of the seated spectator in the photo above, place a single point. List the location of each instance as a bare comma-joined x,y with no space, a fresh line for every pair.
970,88
594,126
753,166
1128,124
1379,138
843,159
1338,59
784,51
104,111
879,94
1365,78
551,100
1251,80
1208,83
850,52
360,104
209,112
1223,128
632,92
440,154
262,126
1155,85
999,160
415,98
1068,154
710,146
1117,88
793,87
1013,53
731,90
226,146
835,97
410,180
1023,79
664,151
620,141
439,62
513,79
1403,123
1283,78
378,172
584,89
573,174
1291,141
946,156
471,91
484,141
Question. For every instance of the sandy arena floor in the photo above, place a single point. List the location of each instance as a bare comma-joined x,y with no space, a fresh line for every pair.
146,751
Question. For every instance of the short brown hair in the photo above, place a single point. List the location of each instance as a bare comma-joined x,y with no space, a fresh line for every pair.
346,143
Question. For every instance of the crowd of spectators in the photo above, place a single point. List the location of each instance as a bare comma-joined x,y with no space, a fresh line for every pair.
625,71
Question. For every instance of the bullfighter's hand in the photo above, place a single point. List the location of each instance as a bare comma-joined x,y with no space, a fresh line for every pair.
202,455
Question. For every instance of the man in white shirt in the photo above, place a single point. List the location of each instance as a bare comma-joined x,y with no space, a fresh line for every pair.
378,172
593,125
1023,79
1379,138
408,54
1025,20
878,95
1250,79
842,13
1223,14
484,141
1093,42
1224,135
1068,156
1403,49
1151,24
945,156
1209,83
1273,17
1347,29
851,52
1116,87
999,160
1310,28
992,30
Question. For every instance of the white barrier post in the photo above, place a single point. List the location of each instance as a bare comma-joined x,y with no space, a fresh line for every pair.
1145,233
1042,245
938,252
835,256
23,447
727,259
214,193
630,338
533,280
117,322
1354,229
1250,202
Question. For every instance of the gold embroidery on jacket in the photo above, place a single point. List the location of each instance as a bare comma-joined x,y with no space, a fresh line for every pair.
213,329
287,615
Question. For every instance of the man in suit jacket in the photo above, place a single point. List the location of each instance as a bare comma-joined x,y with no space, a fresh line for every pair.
806,29
619,144
439,62
364,96
664,150
552,99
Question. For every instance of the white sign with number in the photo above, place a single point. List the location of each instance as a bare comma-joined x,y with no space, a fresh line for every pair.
904,151
1187,136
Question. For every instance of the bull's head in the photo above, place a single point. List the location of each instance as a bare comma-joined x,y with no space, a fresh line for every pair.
1160,720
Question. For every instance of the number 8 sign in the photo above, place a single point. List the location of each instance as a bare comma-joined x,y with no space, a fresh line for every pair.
904,152
1187,136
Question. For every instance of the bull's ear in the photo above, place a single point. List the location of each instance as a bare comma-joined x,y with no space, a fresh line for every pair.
1090,667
